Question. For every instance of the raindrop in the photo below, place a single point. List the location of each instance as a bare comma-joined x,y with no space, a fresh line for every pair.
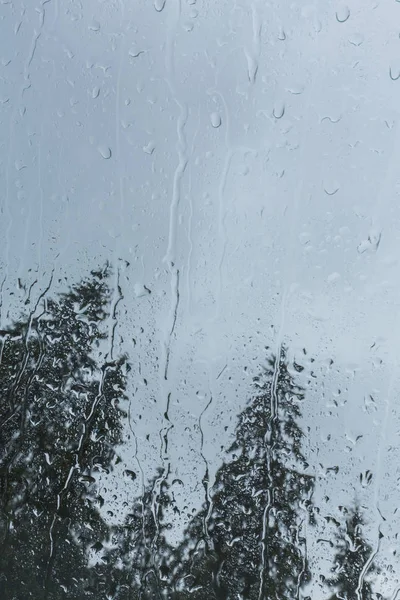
140,290
188,26
19,165
215,120
282,35
278,110
94,26
134,52
178,481
333,119
130,474
371,244
252,67
149,148
95,92
366,478
296,89
356,39
342,14
331,187
394,73
317,25
105,151
159,5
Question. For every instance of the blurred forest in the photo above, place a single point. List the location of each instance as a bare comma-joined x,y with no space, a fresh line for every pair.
63,421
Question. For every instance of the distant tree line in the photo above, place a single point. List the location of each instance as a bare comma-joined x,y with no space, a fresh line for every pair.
62,419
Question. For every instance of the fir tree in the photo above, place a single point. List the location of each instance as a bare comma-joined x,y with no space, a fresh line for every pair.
60,422
353,553
250,541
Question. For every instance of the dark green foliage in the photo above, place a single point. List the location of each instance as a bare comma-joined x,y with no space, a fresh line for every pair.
60,422
250,543
353,553
137,566
60,425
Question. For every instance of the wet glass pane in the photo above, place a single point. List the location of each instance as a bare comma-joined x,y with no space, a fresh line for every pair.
199,306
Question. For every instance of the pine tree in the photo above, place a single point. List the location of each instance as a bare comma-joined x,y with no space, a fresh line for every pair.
60,422
137,566
353,552
250,542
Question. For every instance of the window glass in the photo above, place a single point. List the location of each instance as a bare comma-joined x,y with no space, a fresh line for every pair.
199,300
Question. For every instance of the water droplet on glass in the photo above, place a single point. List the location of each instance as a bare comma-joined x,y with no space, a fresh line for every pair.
252,68
342,14
149,148
130,474
332,119
135,52
356,39
188,25
105,151
278,110
140,290
371,244
94,26
282,35
331,187
19,165
317,25
193,13
394,73
95,92
159,5
333,277
296,89
215,119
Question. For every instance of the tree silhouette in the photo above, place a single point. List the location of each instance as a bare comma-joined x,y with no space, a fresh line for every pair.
137,565
60,422
248,542
60,425
353,554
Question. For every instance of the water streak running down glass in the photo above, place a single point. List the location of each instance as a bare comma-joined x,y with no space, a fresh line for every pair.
199,300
